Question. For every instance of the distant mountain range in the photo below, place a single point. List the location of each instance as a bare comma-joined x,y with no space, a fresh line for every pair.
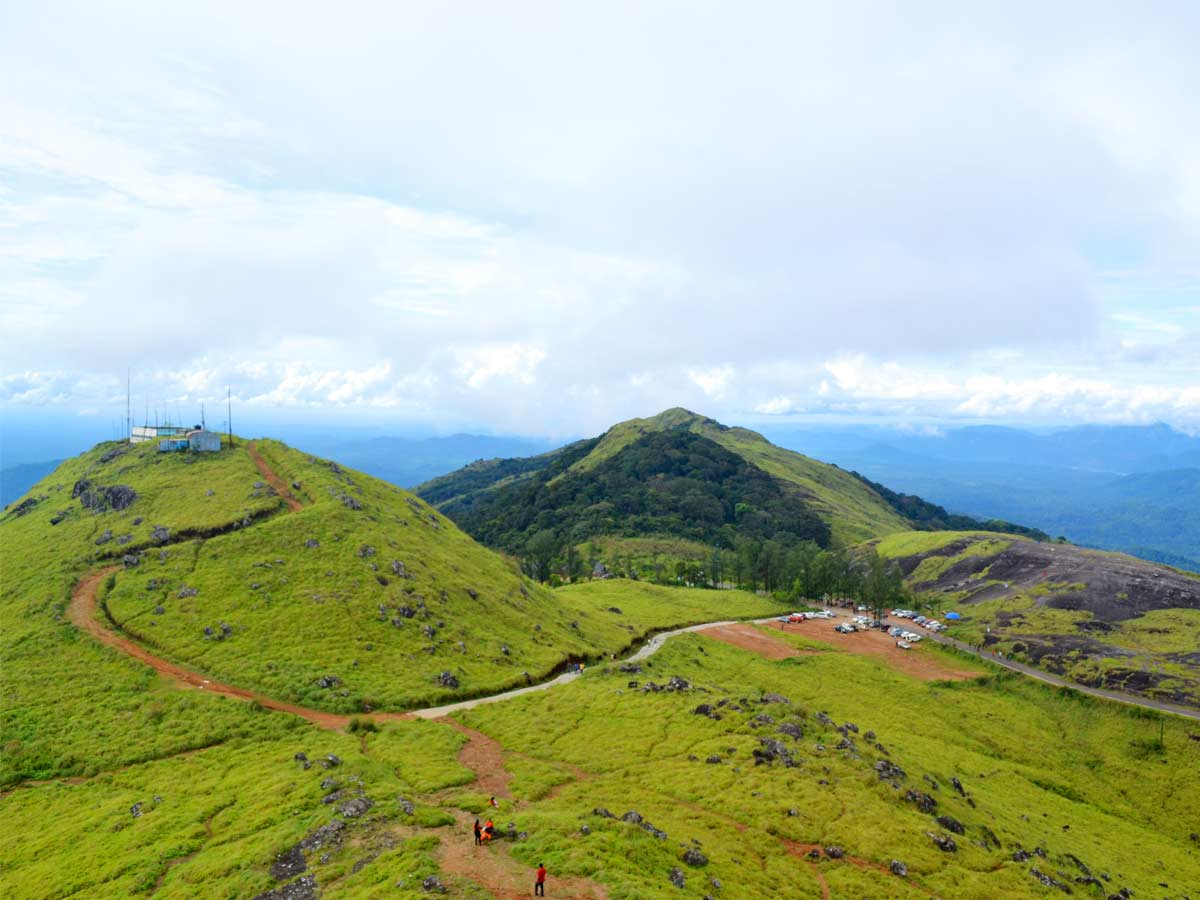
1129,488
408,462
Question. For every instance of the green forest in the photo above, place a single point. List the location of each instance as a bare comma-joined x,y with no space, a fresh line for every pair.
673,482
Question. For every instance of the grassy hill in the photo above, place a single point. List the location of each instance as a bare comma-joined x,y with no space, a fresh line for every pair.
1103,619
363,597
749,763
860,759
851,510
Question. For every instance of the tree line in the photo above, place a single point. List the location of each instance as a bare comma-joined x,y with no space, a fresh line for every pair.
791,571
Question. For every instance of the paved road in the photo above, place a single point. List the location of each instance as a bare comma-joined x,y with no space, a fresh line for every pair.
1048,678
650,647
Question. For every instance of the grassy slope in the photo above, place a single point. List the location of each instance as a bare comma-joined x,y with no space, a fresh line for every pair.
1151,643
1033,760
69,705
315,613
225,813
853,510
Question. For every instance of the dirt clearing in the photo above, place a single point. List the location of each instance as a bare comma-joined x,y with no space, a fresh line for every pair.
918,662
748,637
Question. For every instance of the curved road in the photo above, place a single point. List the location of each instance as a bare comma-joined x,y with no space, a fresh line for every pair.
1057,681
84,602
83,608
1048,678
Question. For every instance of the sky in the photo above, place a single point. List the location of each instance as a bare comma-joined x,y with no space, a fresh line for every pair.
542,218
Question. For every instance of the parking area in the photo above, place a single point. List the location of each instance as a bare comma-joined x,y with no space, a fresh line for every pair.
920,662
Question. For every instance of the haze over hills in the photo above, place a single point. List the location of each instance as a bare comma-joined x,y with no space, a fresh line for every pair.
1130,488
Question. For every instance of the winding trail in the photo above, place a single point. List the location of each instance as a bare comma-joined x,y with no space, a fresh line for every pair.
82,611
270,476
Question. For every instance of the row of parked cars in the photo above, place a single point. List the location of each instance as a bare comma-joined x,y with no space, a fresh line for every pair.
926,623
905,639
805,616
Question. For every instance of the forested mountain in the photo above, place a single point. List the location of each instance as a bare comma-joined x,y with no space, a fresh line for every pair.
682,476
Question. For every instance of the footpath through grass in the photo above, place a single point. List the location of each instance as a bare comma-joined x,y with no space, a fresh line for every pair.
1082,782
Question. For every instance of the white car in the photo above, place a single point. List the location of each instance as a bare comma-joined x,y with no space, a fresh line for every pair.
904,645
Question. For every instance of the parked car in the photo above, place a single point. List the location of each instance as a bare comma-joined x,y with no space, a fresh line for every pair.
783,619
845,628
797,617
904,645
895,631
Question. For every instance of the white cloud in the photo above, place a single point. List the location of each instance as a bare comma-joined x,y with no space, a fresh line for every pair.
855,209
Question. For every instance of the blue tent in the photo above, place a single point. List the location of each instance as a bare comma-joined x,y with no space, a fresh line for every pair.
953,615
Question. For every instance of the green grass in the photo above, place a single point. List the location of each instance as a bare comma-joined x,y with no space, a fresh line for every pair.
912,543
225,813
1032,759
1161,631
71,706
74,707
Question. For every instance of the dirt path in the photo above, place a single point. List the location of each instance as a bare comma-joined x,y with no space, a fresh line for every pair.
877,644
274,480
83,612
490,866
485,757
747,637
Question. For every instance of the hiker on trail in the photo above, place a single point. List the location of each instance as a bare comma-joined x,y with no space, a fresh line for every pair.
478,834
539,886
489,830
494,803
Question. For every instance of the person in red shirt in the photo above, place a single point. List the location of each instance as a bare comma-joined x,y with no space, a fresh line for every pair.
539,886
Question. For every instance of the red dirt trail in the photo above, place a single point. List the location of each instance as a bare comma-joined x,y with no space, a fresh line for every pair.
274,480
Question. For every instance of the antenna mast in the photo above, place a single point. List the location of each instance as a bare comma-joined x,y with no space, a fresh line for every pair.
128,407
229,413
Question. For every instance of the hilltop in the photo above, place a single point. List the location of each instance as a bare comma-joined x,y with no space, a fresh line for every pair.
1100,618
680,475
278,573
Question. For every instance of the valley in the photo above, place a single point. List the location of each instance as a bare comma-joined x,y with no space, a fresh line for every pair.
218,692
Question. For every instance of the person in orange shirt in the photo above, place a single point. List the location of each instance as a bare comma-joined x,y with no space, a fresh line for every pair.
539,886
